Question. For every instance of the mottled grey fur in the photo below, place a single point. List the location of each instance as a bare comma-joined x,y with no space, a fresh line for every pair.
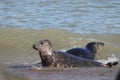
50,57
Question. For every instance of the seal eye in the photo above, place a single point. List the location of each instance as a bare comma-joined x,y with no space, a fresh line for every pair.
41,43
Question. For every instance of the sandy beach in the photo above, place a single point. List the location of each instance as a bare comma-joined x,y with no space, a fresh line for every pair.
83,73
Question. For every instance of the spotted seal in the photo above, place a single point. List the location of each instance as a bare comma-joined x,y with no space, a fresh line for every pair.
88,52
59,59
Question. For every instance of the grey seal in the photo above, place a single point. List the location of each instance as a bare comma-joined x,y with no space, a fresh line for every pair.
59,59
88,52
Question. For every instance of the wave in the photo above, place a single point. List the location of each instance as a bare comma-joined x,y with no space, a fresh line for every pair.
16,44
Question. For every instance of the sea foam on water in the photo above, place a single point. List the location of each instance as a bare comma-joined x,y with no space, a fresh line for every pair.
111,59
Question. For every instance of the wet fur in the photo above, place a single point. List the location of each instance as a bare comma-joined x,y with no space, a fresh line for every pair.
88,52
61,59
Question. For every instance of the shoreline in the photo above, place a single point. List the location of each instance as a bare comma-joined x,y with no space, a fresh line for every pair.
83,73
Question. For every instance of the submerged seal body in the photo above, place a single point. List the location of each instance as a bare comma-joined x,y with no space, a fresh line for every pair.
50,57
88,52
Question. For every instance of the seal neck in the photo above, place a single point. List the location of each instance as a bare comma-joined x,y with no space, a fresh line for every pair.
91,49
46,57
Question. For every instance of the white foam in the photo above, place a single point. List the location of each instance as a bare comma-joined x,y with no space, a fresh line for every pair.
111,59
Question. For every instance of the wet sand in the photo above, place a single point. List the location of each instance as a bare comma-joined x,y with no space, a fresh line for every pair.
83,73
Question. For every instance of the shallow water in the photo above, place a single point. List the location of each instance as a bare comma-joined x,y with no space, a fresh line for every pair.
16,44
79,16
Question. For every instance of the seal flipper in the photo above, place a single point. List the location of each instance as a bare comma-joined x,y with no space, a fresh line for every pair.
115,63
109,64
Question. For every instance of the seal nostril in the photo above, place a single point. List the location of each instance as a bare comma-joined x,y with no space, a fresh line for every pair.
34,47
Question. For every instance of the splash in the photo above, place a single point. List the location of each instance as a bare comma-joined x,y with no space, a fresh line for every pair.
111,59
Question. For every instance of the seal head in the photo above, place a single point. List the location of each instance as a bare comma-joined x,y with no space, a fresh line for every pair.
39,45
94,47
44,47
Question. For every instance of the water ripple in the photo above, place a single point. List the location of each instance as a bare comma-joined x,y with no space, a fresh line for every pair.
81,16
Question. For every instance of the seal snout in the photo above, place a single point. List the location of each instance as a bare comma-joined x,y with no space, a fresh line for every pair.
34,47
102,44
